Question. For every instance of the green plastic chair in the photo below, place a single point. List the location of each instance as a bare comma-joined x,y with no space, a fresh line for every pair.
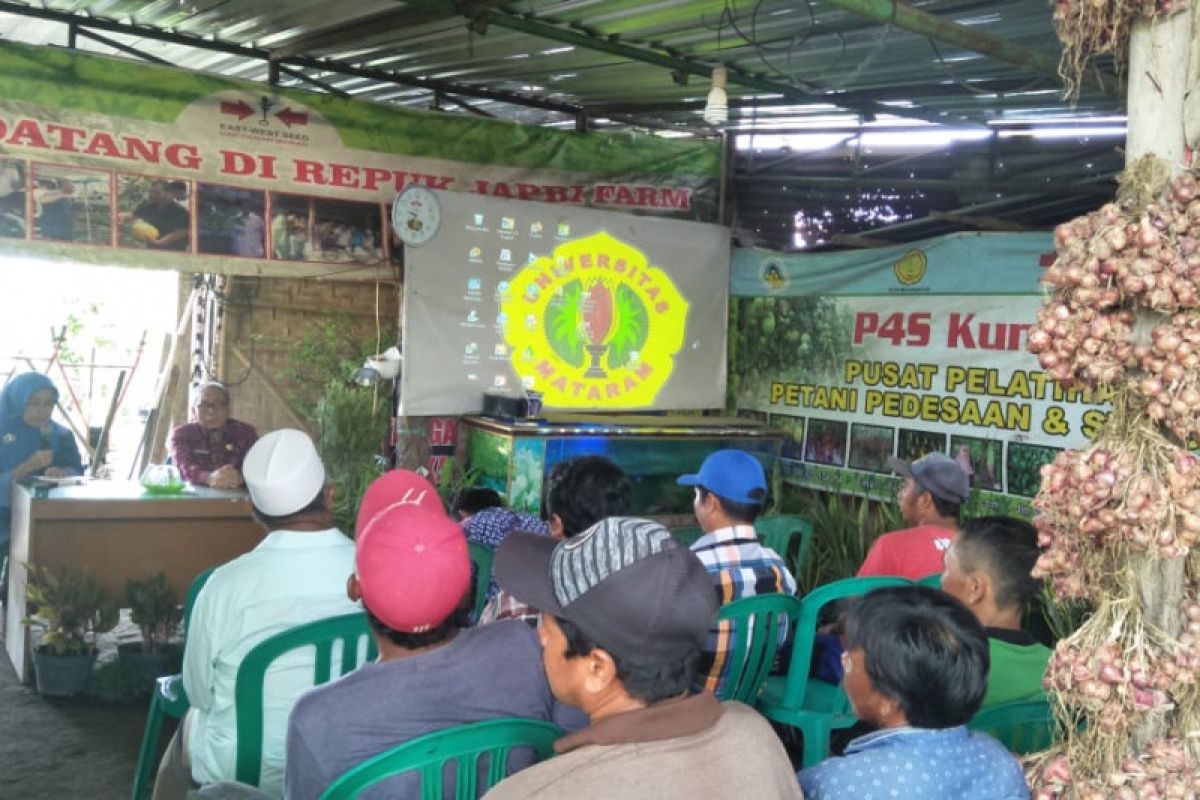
755,642
1023,726
167,700
778,531
171,700
814,706
348,629
933,581
687,536
481,557
464,746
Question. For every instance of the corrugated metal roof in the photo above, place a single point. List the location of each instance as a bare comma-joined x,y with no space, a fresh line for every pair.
808,45
810,64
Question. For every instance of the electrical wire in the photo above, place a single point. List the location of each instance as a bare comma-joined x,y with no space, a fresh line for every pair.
959,82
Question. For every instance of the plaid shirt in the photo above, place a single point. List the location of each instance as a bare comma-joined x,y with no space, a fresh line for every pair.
505,606
739,567
491,526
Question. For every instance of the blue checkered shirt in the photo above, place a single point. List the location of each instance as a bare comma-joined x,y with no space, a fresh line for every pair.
918,764
739,567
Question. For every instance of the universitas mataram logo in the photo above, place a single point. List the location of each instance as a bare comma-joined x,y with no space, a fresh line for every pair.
774,275
594,324
910,269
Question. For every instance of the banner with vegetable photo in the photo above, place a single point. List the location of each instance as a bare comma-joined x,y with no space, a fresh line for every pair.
905,351
212,174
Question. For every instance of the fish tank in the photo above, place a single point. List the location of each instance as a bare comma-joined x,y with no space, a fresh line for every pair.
514,456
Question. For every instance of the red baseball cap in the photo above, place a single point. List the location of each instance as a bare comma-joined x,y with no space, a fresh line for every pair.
413,567
397,488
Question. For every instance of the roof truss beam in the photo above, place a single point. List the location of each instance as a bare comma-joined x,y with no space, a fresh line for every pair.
1096,186
680,64
903,15
81,24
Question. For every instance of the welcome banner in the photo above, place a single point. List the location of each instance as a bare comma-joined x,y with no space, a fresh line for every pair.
111,161
904,351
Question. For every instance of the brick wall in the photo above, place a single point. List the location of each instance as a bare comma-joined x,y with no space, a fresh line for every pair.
264,317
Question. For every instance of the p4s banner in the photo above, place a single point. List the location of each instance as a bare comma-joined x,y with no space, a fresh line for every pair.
905,351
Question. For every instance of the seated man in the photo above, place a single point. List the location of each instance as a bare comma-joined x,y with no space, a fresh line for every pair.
933,491
577,494
916,665
730,489
987,569
486,521
412,570
297,574
624,612
470,500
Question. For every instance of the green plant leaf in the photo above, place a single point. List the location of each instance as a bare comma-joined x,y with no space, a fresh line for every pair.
153,608
325,351
353,425
71,609
562,324
632,327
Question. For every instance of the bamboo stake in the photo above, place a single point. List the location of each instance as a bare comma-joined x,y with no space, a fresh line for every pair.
102,444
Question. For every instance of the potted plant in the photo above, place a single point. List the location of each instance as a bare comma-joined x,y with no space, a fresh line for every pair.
154,609
353,424
71,610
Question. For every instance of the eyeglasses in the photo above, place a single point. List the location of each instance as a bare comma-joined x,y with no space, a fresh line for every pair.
207,406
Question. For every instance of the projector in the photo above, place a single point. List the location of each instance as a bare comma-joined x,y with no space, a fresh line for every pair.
505,405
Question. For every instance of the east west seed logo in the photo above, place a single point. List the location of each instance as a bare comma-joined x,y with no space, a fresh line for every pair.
594,324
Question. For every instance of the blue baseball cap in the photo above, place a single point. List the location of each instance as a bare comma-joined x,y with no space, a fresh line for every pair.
730,474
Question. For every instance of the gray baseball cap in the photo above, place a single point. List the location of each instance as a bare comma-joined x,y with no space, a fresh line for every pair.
624,582
938,474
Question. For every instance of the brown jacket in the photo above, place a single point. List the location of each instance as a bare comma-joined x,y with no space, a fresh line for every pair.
688,748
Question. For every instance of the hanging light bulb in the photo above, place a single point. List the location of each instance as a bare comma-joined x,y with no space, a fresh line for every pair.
716,110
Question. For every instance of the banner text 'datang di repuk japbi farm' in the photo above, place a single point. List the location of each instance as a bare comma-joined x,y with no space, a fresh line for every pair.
112,161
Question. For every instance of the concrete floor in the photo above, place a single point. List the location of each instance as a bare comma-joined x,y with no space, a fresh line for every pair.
64,748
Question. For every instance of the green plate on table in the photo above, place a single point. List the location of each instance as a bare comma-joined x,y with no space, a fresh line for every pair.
164,488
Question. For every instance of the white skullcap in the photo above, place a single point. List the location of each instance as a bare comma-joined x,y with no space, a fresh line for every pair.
283,472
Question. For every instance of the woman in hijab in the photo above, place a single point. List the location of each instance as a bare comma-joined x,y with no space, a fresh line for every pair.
209,451
30,443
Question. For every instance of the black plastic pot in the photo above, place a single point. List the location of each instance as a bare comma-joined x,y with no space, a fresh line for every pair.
148,666
62,676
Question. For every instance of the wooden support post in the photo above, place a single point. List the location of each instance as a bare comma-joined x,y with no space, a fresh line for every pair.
1158,81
